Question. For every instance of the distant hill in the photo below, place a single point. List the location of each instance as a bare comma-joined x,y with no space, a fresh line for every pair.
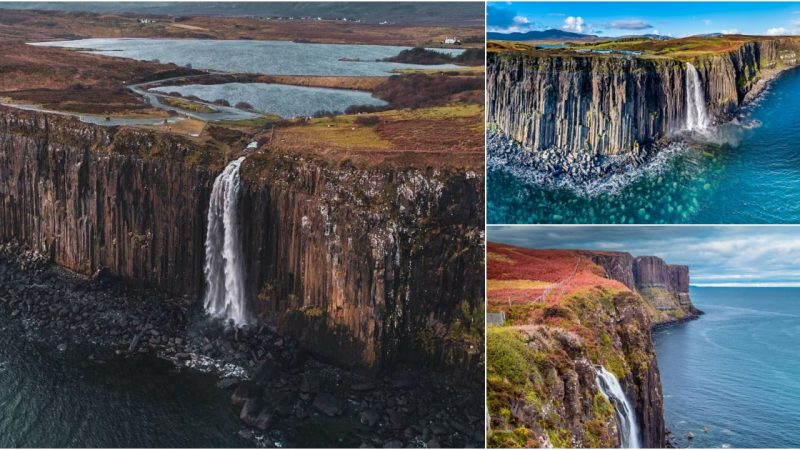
551,34
655,37
402,13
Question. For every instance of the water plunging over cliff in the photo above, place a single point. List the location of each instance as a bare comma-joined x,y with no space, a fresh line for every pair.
696,117
626,414
224,268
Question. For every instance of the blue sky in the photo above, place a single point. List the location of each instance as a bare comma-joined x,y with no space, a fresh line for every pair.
676,19
721,256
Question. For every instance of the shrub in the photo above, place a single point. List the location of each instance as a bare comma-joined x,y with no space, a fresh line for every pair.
368,120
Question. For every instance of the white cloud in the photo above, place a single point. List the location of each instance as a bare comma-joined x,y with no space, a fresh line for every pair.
796,23
575,24
707,22
777,31
656,32
633,24
731,31
521,20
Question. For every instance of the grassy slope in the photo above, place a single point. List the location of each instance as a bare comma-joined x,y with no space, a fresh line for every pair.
560,309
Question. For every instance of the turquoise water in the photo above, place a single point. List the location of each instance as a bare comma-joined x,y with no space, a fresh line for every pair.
750,174
736,370
269,57
283,100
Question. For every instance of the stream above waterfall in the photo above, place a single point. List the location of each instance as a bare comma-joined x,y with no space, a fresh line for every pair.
746,171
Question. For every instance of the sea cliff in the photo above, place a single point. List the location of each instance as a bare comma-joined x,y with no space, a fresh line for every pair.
567,108
566,314
366,266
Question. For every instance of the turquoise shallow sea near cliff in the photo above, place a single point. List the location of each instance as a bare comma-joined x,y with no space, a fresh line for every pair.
754,177
736,370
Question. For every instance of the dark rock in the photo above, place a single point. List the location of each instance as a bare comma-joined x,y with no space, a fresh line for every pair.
327,404
228,383
370,417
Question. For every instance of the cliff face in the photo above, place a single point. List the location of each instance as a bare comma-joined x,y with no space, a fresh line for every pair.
542,364
365,266
664,287
608,105
563,406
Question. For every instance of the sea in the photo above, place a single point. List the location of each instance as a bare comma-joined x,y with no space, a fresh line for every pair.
732,377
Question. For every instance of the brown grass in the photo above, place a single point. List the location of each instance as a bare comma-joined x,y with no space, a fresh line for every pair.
71,81
40,25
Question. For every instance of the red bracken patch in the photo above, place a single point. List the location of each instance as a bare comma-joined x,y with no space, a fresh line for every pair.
561,273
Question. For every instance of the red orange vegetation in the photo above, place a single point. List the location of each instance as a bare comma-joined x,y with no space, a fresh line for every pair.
523,281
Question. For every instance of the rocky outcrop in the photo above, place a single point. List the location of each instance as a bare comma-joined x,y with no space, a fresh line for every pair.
367,267
575,103
664,287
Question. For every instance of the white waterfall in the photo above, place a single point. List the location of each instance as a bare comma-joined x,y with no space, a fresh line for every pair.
224,267
696,117
626,414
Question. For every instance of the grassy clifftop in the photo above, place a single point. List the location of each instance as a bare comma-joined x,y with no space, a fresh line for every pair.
563,318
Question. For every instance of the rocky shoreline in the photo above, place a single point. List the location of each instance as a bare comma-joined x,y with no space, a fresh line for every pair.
582,172
586,173
276,383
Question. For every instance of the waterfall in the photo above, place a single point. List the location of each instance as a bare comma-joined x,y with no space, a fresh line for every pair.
626,414
696,117
224,269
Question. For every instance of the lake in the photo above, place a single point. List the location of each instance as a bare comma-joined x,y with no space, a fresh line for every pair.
284,100
266,57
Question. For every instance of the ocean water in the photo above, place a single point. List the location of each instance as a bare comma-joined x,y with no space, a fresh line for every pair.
746,172
267,57
50,398
735,370
283,100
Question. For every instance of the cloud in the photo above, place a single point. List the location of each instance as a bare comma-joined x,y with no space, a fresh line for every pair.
656,32
504,20
777,31
731,31
796,22
707,21
575,24
633,24
521,20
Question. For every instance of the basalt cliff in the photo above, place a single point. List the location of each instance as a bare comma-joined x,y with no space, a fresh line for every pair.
571,102
664,287
367,267
568,318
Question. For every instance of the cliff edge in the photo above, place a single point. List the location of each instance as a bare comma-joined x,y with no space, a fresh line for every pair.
367,267
623,104
562,321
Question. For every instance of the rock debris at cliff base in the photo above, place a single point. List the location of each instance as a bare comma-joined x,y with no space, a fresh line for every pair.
274,382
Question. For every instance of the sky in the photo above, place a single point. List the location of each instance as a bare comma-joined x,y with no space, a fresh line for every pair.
716,255
675,19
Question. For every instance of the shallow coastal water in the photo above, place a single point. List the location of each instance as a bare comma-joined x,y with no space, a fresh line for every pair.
735,370
747,172
267,57
283,100
50,398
